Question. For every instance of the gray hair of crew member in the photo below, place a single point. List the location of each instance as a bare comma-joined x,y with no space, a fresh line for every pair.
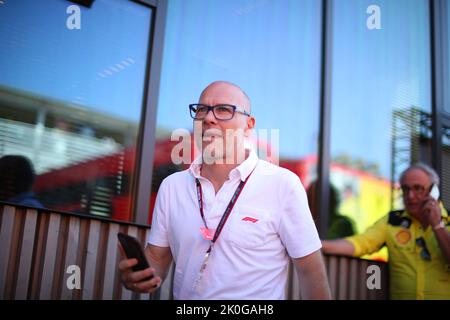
425,168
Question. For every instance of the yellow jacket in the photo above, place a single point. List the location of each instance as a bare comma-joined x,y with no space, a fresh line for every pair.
410,275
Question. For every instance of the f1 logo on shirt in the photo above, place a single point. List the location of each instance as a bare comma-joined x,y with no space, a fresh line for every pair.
253,220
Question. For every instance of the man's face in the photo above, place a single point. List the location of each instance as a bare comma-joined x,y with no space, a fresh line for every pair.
216,133
415,185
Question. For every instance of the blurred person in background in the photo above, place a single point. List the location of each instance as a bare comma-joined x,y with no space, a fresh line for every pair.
417,238
338,225
16,181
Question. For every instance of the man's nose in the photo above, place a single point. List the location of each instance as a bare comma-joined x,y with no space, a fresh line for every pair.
410,195
209,118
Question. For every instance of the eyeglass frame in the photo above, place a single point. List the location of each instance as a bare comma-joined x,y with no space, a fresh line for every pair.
211,108
420,192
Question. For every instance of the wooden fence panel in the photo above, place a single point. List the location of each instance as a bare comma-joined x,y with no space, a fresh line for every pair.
39,246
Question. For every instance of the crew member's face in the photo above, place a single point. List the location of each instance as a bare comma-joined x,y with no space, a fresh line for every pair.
415,185
213,131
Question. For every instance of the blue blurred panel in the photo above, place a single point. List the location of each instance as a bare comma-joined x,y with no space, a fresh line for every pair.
375,72
270,48
100,66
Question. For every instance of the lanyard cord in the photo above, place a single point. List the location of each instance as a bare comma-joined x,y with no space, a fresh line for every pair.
228,210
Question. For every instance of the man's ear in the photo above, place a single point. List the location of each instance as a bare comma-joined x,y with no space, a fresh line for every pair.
251,121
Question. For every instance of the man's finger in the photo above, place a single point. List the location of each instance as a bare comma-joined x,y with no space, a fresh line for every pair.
151,284
141,275
431,204
127,264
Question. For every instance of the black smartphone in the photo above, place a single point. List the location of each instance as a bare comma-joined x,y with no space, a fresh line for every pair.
133,249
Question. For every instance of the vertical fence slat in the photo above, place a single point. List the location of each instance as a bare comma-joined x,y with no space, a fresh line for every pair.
362,280
110,262
73,234
14,257
59,271
26,254
38,255
333,275
353,281
6,236
81,254
88,289
50,257
383,294
343,279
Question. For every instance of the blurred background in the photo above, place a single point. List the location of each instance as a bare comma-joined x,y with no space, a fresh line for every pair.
90,95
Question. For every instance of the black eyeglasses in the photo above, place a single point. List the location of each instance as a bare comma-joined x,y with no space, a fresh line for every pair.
417,189
424,253
220,111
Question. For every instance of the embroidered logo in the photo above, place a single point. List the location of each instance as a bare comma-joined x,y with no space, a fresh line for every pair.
403,236
253,220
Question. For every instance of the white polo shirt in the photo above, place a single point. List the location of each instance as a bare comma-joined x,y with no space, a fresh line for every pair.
250,257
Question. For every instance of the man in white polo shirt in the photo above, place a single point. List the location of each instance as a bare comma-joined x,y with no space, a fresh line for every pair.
231,222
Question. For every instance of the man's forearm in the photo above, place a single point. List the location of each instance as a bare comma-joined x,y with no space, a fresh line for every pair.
315,287
338,246
160,259
313,277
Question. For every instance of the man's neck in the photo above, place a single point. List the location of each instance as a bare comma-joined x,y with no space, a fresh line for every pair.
423,222
219,173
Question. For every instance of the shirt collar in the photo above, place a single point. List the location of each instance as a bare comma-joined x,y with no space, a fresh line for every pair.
195,167
242,171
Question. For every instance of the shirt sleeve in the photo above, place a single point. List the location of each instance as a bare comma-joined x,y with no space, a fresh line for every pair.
158,232
371,240
297,230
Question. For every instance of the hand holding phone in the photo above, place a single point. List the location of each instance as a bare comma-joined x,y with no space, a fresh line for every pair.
133,250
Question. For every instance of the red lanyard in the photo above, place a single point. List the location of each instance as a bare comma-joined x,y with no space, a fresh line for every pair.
221,224
227,212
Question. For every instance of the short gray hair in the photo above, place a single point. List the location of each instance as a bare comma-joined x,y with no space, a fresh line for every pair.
430,172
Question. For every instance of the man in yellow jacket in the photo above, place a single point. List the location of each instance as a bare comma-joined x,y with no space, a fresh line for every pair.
418,240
